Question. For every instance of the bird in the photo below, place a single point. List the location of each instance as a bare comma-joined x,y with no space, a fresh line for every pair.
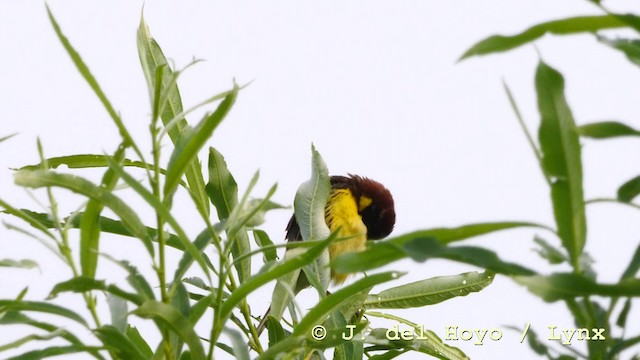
358,209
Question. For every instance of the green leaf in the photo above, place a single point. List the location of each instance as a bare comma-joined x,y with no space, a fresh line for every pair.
310,201
624,314
45,178
86,74
560,286
152,58
24,263
275,331
7,137
562,161
418,245
630,47
90,223
629,190
83,284
118,343
83,161
309,205
151,309
429,291
142,346
426,342
264,242
317,314
222,190
191,141
53,351
574,25
606,130
43,307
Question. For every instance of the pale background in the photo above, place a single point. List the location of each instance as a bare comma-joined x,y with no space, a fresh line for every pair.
375,86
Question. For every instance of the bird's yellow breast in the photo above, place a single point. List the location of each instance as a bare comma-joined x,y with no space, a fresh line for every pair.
341,213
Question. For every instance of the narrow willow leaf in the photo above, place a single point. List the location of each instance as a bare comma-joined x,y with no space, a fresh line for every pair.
634,265
86,74
152,58
90,223
27,217
624,314
429,291
330,303
45,178
43,307
606,130
560,286
24,263
118,343
629,47
176,321
190,142
82,284
15,317
7,137
264,242
420,245
574,25
29,338
202,240
309,205
222,190
83,161
275,331
289,265
534,342
107,225
137,339
562,160
53,351
629,190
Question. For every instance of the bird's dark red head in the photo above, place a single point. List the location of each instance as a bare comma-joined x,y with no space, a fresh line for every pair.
375,204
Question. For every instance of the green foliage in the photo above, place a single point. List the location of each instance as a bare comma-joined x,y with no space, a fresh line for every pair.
559,152
221,287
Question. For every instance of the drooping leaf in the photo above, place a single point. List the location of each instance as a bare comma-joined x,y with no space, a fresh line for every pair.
429,291
574,25
82,284
562,160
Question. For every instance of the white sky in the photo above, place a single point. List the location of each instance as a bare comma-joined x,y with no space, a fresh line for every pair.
376,88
